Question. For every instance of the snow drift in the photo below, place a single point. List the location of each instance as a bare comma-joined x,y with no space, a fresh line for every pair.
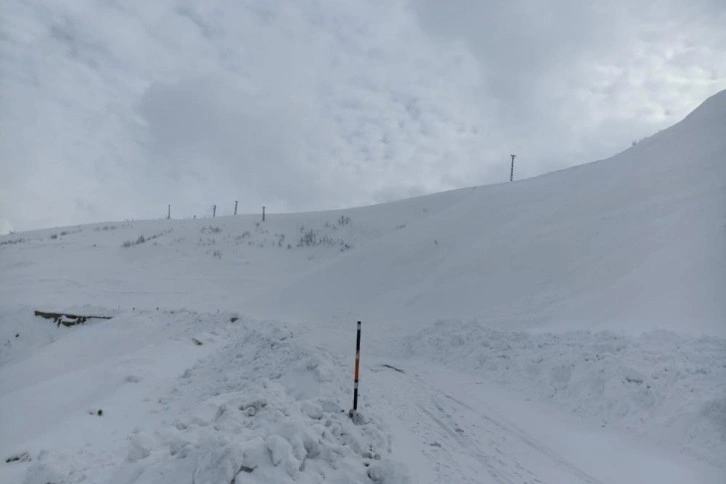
242,400
667,387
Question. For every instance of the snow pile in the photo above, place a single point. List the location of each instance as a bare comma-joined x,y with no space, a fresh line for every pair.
263,408
660,385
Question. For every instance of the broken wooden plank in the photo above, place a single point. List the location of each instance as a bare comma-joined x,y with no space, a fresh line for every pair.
49,315
67,319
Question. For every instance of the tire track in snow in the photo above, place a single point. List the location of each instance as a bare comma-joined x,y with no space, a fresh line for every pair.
445,454
494,447
531,442
466,447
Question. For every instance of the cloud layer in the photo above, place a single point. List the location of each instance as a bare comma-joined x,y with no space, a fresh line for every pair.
111,110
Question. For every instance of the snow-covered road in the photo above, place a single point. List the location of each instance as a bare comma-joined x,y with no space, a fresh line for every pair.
459,429
274,397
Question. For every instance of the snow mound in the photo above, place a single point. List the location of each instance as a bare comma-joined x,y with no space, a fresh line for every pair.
666,387
263,408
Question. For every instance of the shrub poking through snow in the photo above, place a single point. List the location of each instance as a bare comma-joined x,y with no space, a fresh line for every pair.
142,239
13,241
240,238
312,238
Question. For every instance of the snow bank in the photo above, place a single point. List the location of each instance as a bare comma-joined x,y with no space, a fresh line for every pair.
660,385
263,408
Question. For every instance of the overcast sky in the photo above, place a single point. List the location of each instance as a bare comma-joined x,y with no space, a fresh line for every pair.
110,109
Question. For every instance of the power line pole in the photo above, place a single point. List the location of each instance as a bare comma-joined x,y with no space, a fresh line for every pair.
235,207
511,170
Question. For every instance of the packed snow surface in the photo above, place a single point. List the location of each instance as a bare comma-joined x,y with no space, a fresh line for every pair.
567,328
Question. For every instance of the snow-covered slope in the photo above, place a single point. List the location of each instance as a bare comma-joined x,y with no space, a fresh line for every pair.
634,242
535,288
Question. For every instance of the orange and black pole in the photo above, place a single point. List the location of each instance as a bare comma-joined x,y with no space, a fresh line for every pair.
357,369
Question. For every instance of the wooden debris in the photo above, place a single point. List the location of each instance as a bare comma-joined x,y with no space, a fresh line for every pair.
67,319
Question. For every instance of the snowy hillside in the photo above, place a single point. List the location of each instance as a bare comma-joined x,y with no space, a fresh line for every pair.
645,228
525,332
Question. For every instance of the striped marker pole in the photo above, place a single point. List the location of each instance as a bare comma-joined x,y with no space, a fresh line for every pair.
357,369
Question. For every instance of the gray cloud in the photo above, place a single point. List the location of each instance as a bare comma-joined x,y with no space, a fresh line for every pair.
581,69
111,110
210,134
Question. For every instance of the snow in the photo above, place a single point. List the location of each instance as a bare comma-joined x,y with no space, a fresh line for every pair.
457,428
668,387
261,405
567,328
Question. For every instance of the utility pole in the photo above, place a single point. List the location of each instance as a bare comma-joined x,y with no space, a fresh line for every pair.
263,213
511,171
214,211
168,212
235,207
